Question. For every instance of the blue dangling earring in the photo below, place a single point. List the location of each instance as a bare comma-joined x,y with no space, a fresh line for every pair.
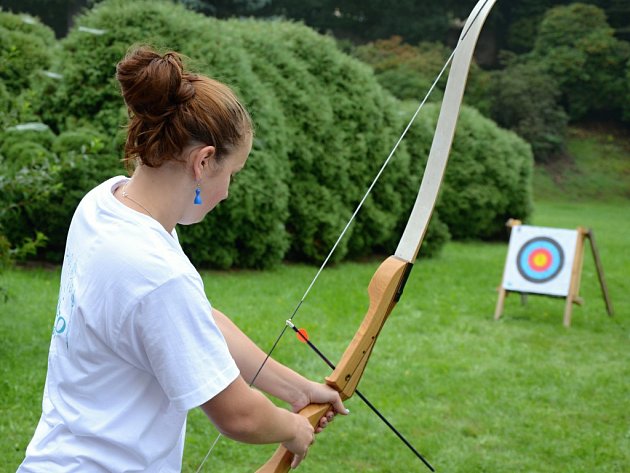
198,200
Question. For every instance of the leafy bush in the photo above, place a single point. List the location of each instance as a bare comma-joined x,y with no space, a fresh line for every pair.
409,71
488,178
342,125
526,100
309,103
577,47
25,50
5,106
84,160
20,192
27,24
323,127
41,188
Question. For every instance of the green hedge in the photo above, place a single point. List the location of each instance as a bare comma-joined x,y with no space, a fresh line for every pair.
44,176
577,46
25,50
409,71
526,100
488,178
323,127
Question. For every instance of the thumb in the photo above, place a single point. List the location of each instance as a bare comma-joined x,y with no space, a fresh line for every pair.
338,406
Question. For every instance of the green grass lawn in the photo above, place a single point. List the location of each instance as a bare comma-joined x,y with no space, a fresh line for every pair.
523,394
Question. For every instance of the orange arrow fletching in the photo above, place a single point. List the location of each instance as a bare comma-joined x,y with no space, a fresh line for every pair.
302,335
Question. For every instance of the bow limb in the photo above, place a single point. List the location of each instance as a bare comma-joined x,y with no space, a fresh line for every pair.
388,282
418,222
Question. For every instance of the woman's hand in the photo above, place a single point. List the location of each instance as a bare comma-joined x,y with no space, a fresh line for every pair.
303,438
317,393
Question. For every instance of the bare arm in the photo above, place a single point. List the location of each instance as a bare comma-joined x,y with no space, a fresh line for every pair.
244,414
275,378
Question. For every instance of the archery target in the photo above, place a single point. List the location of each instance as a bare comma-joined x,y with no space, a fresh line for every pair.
540,260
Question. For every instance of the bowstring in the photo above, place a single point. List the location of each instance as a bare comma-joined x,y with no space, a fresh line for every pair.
350,221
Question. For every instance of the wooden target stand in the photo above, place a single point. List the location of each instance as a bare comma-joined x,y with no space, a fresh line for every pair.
572,297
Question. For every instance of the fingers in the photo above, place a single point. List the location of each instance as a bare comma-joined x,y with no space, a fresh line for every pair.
324,421
297,458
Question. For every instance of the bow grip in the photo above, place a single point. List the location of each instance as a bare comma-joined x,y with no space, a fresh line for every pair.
280,462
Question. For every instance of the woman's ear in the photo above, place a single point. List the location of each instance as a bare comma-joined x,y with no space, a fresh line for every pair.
202,158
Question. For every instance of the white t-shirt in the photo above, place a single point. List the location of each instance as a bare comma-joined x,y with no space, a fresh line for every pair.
134,347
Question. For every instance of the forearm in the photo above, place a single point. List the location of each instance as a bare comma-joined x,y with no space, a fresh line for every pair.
246,415
275,378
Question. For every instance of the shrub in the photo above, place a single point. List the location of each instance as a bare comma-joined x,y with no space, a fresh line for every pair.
5,106
25,50
323,127
526,100
84,160
342,126
25,146
41,189
488,178
20,192
578,48
29,25
409,71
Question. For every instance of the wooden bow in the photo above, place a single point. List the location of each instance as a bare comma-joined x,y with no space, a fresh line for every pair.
388,282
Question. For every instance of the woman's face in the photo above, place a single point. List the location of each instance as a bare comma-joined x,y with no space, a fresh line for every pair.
216,179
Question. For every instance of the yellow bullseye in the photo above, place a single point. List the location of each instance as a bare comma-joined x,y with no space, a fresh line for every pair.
541,260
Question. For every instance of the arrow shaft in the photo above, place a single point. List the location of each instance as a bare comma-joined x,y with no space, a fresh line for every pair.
366,401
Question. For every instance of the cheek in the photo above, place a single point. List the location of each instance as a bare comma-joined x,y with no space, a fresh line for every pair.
219,192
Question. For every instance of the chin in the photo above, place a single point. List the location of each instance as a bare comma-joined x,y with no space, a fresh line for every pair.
191,220
196,217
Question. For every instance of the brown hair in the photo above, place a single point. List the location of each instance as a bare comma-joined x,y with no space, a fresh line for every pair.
170,108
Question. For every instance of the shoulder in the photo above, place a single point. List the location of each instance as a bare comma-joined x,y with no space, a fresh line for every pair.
121,249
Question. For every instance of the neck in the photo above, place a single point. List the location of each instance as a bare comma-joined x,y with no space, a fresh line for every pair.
162,193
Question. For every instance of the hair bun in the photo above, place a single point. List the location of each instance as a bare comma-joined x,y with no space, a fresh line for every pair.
153,85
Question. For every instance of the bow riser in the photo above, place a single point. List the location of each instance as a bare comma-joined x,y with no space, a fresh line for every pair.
384,291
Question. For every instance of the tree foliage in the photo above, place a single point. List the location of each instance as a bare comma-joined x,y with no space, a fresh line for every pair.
24,50
526,100
577,47
409,71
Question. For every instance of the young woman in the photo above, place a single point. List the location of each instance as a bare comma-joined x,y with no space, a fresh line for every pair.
135,343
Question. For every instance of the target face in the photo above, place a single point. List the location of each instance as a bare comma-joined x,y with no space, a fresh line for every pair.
540,260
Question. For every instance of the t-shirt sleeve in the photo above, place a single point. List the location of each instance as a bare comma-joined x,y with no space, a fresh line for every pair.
174,335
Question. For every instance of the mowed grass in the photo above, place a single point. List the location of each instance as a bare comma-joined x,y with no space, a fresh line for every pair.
523,394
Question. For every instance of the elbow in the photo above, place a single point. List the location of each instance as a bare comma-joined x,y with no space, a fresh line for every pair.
241,428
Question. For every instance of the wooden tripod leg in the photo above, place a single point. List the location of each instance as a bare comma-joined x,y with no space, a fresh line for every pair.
600,272
498,311
500,303
576,275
